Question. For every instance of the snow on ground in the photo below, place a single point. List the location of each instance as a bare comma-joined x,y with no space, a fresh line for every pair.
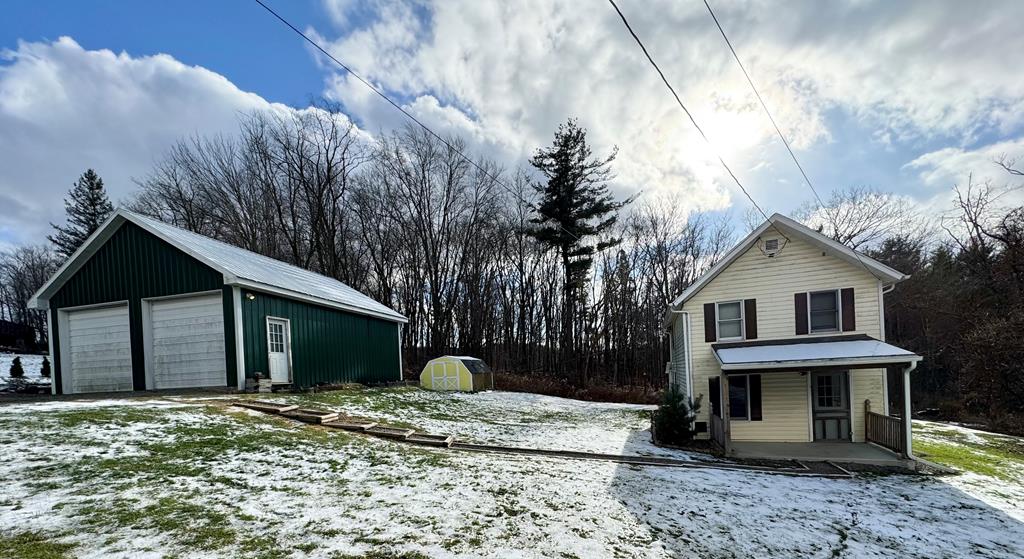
32,365
507,418
142,478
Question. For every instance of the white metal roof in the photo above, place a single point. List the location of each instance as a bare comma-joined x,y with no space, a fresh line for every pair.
822,354
239,266
779,221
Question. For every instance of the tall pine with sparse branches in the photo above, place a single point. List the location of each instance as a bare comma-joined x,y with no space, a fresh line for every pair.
87,207
575,211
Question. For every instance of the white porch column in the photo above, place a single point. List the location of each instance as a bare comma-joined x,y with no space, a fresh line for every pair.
907,435
726,428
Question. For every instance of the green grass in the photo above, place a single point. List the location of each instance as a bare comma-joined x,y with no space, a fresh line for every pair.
996,456
32,545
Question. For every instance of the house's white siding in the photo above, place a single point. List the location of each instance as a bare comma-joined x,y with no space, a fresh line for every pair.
799,267
677,364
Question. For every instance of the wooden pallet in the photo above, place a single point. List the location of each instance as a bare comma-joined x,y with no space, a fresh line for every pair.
311,415
390,432
266,407
431,440
347,425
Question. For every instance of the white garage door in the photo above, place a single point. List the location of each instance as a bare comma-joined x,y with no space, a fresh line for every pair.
99,349
188,342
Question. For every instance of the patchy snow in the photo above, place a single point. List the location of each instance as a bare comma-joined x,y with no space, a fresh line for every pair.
506,418
223,483
31,364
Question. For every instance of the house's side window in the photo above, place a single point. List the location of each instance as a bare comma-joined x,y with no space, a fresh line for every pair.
824,311
730,320
739,397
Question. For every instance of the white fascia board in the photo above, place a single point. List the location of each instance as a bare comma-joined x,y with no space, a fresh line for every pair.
722,264
809,363
41,298
841,251
257,286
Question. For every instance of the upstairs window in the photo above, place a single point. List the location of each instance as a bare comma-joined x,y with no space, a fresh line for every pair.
730,320
824,310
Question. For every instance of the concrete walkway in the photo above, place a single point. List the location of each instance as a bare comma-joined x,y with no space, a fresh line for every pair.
843,452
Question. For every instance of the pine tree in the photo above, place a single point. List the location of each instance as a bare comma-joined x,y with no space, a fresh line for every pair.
16,371
45,370
87,208
575,207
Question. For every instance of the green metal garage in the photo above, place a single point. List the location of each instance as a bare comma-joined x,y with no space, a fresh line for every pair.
143,305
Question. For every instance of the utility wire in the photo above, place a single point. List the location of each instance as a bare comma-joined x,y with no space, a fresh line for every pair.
384,96
763,105
821,204
688,114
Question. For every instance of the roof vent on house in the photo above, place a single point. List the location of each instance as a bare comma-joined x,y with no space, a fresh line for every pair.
771,247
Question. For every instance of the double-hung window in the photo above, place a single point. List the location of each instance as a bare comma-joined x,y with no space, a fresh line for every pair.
824,310
730,320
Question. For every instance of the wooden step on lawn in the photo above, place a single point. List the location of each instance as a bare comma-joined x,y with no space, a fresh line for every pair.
431,440
309,415
359,426
390,432
266,407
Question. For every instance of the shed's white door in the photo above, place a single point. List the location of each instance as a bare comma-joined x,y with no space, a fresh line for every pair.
278,349
99,350
188,342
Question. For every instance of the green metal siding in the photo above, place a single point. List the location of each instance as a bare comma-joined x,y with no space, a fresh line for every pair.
327,345
133,265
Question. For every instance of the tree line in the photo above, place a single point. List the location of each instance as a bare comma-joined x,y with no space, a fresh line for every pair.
540,270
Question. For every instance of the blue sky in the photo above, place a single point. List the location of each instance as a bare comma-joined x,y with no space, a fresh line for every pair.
906,97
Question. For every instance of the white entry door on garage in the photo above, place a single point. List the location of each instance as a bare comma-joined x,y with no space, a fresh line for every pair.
98,350
187,342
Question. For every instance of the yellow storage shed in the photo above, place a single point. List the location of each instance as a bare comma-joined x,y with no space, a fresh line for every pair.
455,372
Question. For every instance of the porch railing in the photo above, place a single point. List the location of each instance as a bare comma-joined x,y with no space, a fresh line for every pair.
883,430
718,430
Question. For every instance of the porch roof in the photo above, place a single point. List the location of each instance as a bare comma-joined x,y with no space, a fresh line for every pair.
857,351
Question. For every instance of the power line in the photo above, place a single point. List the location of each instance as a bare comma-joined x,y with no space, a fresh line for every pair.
821,204
763,105
688,114
384,96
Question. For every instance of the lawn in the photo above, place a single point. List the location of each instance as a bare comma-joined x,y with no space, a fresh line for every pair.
185,477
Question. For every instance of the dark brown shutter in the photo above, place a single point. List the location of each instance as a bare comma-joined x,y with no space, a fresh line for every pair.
710,333
849,313
755,397
800,304
715,388
750,318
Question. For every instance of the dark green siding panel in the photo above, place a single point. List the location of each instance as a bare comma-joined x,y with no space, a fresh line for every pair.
130,266
230,359
328,345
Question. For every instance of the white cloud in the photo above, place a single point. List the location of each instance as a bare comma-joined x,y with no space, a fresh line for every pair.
64,109
510,72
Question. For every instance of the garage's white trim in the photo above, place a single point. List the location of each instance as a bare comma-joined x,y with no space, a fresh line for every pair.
147,341
262,287
236,299
49,342
401,370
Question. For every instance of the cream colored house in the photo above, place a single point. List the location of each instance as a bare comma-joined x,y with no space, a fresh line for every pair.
785,340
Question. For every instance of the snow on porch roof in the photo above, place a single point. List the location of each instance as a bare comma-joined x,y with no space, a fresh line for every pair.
836,351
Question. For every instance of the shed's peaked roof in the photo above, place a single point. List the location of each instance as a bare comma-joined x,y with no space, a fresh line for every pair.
239,266
790,227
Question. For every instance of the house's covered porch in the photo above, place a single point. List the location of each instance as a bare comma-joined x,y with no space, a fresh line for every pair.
823,399
846,452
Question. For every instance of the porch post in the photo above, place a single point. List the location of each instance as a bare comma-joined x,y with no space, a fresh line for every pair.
726,428
907,437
